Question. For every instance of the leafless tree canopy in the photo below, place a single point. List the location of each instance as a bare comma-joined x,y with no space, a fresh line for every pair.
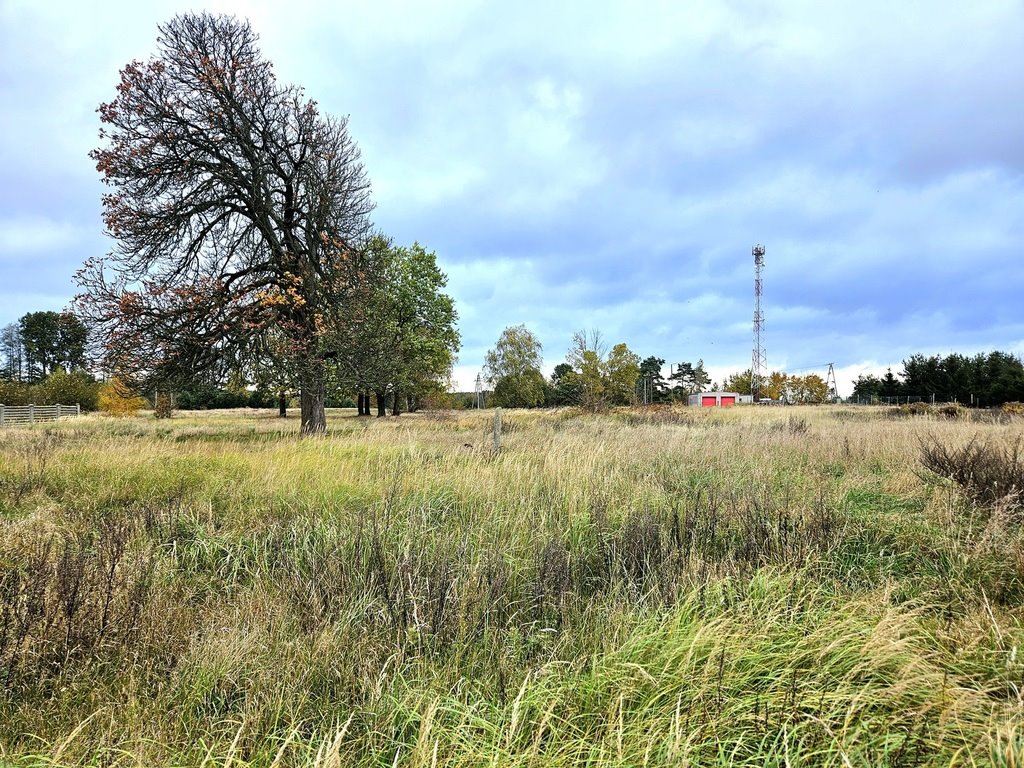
234,205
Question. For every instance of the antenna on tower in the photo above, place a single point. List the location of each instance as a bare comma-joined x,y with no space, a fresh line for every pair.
758,360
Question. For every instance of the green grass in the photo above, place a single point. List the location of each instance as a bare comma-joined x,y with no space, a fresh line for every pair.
743,587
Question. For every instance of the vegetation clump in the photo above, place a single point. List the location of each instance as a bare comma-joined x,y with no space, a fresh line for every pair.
116,399
988,472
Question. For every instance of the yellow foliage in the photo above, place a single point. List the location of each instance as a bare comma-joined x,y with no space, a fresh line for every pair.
118,400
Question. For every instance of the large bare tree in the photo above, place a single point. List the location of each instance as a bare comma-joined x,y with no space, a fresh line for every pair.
235,207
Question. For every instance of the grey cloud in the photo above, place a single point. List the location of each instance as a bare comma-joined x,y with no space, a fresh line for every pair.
614,167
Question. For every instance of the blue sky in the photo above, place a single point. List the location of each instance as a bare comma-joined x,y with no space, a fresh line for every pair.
610,165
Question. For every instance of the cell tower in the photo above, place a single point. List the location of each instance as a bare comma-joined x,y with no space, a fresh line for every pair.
758,361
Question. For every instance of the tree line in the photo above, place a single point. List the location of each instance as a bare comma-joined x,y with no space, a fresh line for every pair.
593,375
41,343
982,379
43,361
807,389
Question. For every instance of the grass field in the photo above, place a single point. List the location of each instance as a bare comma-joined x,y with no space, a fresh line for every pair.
743,587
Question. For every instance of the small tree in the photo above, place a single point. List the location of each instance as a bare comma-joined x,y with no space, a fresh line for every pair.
163,404
513,369
586,356
11,352
738,382
890,386
602,381
563,389
622,370
117,399
809,389
653,388
774,387
689,379
867,388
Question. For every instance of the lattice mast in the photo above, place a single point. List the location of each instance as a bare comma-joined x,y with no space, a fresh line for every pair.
758,362
830,382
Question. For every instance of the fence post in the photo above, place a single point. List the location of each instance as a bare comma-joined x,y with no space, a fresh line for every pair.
32,413
497,429
78,409
1,414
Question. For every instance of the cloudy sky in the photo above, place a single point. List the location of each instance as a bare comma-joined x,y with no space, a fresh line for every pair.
609,165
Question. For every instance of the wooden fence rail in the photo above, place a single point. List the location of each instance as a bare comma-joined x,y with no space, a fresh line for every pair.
30,414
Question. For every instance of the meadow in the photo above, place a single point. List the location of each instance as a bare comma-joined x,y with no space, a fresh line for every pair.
749,586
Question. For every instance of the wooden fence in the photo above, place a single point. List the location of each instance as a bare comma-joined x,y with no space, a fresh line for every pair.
30,414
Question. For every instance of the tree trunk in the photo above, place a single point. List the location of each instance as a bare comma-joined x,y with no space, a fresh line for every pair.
314,419
359,403
382,409
282,404
396,408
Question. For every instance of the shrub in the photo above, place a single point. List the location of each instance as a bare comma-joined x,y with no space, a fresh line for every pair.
443,401
68,389
912,409
117,399
15,392
199,397
163,405
988,473
951,411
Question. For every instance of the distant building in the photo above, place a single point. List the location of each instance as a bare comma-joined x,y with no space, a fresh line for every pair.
719,399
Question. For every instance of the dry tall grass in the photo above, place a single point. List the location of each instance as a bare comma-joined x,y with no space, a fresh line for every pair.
648,587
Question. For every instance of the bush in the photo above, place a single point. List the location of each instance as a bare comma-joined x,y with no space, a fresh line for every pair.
987,473
444,401
15,392
117,399
163,405
951,411
68,389
203,396
913,409
200,397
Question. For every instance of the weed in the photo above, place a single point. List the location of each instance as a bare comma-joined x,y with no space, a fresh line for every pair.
31,456
987,472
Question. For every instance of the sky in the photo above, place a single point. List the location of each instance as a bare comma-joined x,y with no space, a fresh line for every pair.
609,165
